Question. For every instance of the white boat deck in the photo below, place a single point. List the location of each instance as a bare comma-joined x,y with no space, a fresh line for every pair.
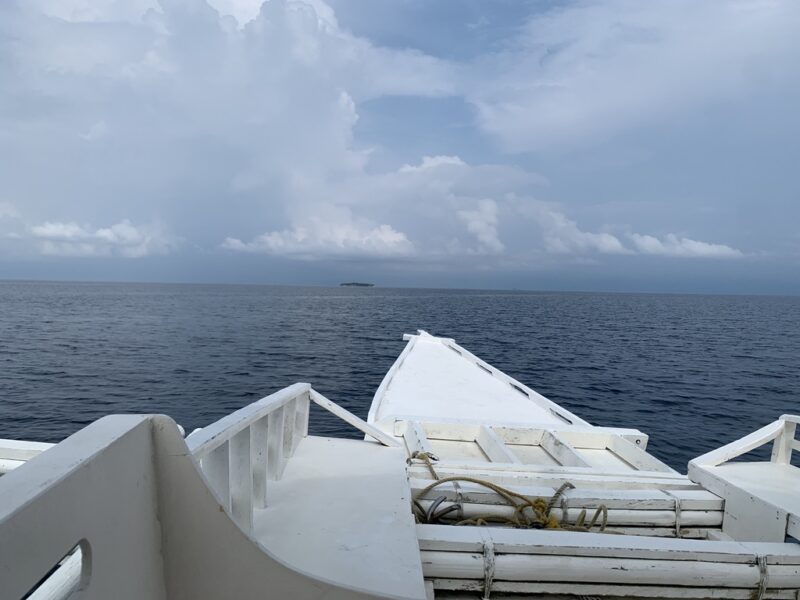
437,378
438,501
340,512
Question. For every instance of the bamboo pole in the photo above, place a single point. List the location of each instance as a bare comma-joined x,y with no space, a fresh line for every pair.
580,569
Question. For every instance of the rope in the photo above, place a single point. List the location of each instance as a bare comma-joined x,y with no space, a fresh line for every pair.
763,577
528,513
428,459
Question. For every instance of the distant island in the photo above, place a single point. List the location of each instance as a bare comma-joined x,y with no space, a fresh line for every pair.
356,284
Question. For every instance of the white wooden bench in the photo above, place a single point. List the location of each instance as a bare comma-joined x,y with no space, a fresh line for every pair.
762,498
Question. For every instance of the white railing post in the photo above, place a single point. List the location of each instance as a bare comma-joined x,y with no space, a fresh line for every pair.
258,460
301,419
275,444
216,467
241,479
783,444
289,416
242,452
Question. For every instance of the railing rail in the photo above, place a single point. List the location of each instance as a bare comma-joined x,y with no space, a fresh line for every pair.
781,433
243,451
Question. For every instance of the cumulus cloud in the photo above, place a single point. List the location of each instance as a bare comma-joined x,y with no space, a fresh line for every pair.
120,239
561,235
482,222
672,245
585,71
320,238
236,124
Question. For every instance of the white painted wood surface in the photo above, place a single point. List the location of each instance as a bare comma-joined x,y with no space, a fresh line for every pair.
15,453
128,488
434,377
271,508
762,499
341,512
244,451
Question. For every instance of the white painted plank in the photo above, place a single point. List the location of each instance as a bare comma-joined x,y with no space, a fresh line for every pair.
355,421
793,527
616,517
463,430
275,459
289,419
241,480
558,591
560,449
206,439
494,448
546,568
567,471
554,479
639,499
64,581
7,465
430,593
258,460
216,467
415,439
741,446
784,444
21,449
470,539
637,457
301,420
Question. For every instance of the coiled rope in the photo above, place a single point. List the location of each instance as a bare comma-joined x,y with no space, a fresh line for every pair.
528,513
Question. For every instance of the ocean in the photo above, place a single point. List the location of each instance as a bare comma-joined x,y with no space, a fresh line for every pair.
692,371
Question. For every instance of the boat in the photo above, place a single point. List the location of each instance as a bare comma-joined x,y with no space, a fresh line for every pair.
356,284
467,483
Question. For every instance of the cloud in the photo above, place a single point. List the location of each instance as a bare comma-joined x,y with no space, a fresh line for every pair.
8,211
482,222
587,71
237,126
433,162
561,235
328,231
672,245
319,238
443,210
121,239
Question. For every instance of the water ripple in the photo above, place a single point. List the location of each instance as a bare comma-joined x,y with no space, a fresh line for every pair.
692,371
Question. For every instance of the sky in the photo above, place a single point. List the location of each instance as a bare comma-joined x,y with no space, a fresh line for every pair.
613,145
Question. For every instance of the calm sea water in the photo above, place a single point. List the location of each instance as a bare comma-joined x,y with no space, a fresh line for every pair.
692,371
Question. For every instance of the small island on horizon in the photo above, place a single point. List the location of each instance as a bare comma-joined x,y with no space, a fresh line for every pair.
356,284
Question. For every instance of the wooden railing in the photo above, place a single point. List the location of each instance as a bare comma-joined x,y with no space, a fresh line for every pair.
781,433
242,452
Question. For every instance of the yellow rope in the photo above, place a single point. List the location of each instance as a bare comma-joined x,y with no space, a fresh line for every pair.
536,513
